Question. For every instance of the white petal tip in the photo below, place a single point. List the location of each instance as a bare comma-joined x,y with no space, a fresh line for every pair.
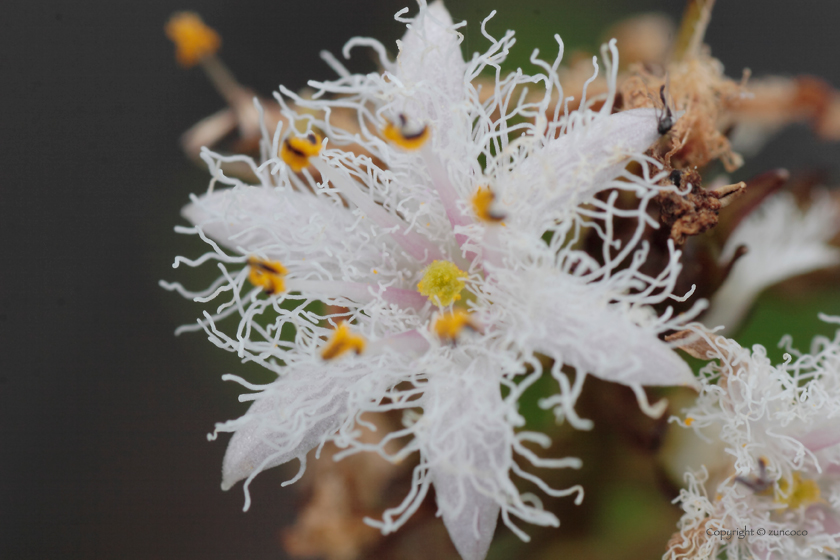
231,477
472,534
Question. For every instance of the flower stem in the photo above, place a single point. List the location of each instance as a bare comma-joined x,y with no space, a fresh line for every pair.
695,20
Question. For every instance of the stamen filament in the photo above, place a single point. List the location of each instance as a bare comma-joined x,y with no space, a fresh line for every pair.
237,96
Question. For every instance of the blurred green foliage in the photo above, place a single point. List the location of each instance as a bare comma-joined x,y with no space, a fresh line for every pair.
580,23
778,313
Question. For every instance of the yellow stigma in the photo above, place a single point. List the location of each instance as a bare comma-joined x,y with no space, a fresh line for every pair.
296,150
404,135
193,39
482,201
343,341
800,492
689,420
448,326
442,282
268,275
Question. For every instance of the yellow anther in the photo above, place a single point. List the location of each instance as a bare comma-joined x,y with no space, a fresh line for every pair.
405,135
798,492
193,39
448,326
482,202
689,420
268,275
442,282
296,150
343,341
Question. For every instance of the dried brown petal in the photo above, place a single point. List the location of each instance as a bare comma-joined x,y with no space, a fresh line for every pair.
699,90
727,194
689,544
689,214
644,39
695,342
329,526
343,493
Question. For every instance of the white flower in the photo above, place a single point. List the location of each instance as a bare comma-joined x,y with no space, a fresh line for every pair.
404,238
782,241
781,427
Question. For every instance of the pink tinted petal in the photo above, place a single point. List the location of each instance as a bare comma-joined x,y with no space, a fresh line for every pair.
822,438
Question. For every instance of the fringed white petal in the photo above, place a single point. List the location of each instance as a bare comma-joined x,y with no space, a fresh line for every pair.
430,53
782,242
289,418
432,69
472,528
288,226
568,170
576,323
468,448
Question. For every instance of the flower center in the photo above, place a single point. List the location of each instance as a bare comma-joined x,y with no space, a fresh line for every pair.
442,282
343,341
798,492
193,39
296,150
268,275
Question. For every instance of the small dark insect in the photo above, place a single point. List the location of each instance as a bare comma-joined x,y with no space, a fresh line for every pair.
761,482
675,177
666,119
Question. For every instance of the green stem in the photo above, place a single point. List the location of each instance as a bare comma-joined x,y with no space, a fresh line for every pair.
695,20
